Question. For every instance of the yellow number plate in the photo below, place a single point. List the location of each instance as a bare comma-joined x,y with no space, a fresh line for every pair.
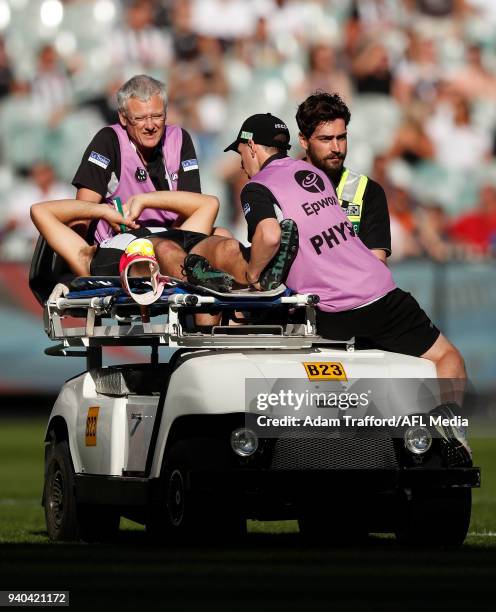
91,423
324,370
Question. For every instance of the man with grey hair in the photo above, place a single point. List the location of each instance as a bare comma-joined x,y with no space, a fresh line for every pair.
138,155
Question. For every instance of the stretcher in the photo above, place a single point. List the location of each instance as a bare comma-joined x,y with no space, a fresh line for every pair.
107,315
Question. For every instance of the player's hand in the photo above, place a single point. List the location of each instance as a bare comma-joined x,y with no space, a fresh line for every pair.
115,219
60,290
134,207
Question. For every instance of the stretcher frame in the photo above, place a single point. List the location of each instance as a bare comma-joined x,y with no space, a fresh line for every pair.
111,318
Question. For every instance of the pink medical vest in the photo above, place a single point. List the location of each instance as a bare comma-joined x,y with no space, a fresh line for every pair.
332,261
128,184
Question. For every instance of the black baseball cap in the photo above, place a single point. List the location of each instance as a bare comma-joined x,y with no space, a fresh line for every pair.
264,129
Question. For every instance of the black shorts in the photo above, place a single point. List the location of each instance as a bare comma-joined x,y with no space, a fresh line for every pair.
185,239
106,259
394,323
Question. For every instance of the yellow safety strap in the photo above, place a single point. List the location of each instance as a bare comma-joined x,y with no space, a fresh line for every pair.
342,183
362,183
350,190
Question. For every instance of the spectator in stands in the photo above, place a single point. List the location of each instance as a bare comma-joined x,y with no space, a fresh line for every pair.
440,18
184,39
260,50
51,88
378,15
324,72
199,89
224,19
41,185
433,236
476,229
404,242
380,174
472,79
371,68
293,25
439,9
458,144
6,74
418,72
140,46
410,142
484,13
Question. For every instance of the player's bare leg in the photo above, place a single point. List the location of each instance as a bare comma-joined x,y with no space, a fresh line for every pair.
170,257
222,231
224,254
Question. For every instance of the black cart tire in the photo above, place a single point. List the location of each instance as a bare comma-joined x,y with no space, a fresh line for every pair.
66,520
189,516
60,500
176,518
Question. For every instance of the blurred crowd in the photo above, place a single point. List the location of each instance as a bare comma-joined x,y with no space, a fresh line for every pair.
419,77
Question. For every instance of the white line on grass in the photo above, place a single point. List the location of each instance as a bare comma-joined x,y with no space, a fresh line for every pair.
5,501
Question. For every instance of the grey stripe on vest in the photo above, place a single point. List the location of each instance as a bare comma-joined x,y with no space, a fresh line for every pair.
112,184
350,187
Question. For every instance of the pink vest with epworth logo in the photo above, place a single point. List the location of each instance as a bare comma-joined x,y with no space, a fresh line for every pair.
332,261
129,185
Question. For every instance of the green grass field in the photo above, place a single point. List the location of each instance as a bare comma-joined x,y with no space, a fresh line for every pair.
272,570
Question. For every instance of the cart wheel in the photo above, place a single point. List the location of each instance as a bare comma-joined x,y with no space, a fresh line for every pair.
60,501
176,499
176,517
186,515
67,520
435,518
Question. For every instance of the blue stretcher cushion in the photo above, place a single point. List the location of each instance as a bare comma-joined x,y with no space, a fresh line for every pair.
111,285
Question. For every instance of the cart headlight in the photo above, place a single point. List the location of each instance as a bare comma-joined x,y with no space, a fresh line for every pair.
244,442
418,440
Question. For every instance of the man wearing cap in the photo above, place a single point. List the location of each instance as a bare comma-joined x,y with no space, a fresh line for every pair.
357,293
262,214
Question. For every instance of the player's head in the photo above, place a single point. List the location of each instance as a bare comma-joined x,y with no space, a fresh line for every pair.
261,136
142,106
322,120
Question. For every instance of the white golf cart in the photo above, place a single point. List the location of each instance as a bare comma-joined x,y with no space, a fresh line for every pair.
184,448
